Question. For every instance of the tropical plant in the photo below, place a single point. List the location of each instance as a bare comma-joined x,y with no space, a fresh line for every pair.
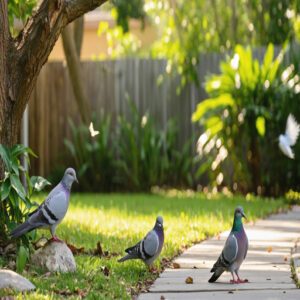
15,201
93,155
133,156
246,111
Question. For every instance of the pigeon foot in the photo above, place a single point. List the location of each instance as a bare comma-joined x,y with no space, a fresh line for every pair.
56,239
153,270
233,281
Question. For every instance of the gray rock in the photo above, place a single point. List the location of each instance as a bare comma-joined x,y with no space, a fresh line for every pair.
10,279
54,257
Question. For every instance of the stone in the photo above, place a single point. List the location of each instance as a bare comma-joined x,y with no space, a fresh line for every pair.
54,257
10,279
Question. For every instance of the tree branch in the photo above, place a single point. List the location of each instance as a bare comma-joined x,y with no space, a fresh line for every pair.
38,37
74,69
78,34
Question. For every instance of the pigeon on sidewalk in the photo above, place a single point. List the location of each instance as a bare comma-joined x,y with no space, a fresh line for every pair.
290,137
51,212
234,251
149,248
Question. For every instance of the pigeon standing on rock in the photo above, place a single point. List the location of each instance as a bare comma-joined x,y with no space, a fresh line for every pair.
150,247
234,252
290,137
51,212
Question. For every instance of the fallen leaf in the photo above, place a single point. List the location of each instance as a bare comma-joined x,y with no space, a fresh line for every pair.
285,258
230,292
46,275
75,250
105,270
189,280
176,265
66,292
269,249
40,243
162,297
82,293
98,251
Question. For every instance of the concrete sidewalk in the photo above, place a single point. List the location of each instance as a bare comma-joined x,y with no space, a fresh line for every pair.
267,266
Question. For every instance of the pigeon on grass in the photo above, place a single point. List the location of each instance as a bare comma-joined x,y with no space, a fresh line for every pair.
290,137
149,248
51,212
234,251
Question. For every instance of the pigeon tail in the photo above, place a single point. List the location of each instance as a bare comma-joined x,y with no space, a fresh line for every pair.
133,252
216,275
126,257
21,229
131,249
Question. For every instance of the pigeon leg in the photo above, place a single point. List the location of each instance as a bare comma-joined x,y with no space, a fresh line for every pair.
56,239
153,270
239,280
233,279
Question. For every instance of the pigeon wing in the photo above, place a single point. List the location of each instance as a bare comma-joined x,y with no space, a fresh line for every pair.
230,250
151,243
292,130
50,211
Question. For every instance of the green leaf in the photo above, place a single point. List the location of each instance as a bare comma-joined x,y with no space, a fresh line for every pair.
268,59
5,157
222,101
22,257
38,183
17,186
260,126
5,189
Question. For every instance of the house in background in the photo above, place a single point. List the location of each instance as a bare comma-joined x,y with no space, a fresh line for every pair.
93,45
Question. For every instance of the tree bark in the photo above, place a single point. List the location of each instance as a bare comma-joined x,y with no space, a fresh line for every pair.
22,58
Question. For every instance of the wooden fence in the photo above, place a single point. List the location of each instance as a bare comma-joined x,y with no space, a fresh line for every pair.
108,84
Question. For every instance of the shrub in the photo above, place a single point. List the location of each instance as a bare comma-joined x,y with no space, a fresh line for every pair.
93,156
246,111
15,202
133,156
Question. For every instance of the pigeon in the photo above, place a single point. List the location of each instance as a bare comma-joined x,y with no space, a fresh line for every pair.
149,248
234,251
290,137
51,212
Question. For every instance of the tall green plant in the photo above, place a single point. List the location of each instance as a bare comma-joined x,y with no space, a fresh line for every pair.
133,156
246,110
15,201
93,156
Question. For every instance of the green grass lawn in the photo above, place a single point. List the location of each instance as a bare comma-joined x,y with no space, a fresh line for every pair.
121,220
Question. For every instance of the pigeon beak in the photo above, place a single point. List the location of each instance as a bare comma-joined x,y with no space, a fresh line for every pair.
76,180
244,216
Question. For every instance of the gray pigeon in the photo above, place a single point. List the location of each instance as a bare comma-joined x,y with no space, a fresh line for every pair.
149,248
51,212
234,252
